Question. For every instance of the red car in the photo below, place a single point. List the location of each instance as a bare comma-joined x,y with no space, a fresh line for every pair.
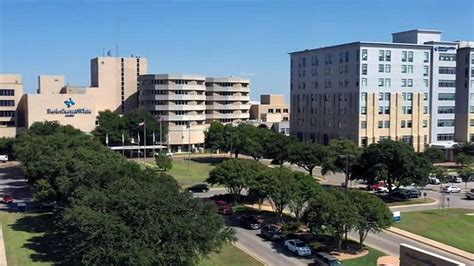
223,207
376,186
7,199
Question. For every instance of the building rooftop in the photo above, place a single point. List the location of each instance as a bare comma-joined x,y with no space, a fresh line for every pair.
365,43
419,31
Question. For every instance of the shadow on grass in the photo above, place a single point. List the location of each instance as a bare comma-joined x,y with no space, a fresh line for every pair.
48,246
210,160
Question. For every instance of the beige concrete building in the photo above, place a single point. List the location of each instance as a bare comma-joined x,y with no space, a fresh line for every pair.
180,101
11,91
272,109
464,130
114,86
227,100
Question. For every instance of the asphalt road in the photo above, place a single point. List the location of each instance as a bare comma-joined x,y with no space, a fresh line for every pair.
13,184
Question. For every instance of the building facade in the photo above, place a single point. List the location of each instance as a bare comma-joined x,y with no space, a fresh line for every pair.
114,86
227,100
465,94
11,91
272,108
364,91
189,103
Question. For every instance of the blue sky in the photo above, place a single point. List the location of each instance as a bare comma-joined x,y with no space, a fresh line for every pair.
210,37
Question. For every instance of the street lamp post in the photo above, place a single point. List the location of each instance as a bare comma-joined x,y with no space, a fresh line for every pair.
346,180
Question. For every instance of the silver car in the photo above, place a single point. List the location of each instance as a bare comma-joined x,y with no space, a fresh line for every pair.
298,247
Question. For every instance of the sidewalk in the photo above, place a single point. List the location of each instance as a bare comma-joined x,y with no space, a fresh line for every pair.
432,243
3,254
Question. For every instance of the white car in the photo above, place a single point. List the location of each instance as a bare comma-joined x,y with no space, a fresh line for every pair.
298,247
451,189
384,189
433,180
4,158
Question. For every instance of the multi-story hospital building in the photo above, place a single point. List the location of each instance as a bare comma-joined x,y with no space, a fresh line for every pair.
367,91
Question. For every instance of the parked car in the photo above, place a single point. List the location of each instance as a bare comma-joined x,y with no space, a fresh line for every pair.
271,232
375,187
3,158
413,193
433,180
199,188
471,178
451,189
470,194
223,207
298,247
7,199
454,179
384,189
250,222
326,259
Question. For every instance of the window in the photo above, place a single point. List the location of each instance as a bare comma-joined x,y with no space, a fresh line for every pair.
426,69
7,113
364,141
404,56
364,69
380,124
404,68
381,82
7,92
384,96
387,82
409,123
447,70
364,55
363,110
381,68
410,56
446,109
425,110
447,57
404,82
425,83
386,124
471,122
446,123
388,55
446,96
410,69
363,97
346,56
425,123
403,124
407,140
410,83
381,55
426,57
471,109
364,82
388,68
445,137
447,83
384,110
425,96
341,57
363,124
7,103
407,110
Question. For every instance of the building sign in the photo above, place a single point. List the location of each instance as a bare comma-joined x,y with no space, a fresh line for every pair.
444,48
68,112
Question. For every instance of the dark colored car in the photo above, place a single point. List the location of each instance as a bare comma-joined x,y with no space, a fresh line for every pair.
271,232
249,222
7,199
223,207
326,259
198,188
406,193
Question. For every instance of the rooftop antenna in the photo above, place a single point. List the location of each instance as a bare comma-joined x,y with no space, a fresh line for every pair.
103,52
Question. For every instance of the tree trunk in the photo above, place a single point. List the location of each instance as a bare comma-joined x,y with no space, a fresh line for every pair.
361,238
311,171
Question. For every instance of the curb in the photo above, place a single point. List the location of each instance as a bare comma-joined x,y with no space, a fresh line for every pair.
251,254
415,205
432,243
3,253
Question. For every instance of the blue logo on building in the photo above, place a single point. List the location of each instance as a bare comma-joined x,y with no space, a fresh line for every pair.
69,102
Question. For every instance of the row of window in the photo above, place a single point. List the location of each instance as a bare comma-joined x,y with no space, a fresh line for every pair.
386,124
277,111
7,113
386,68
7,92
385,96
7,102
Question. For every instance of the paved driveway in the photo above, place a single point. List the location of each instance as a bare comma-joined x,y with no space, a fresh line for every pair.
13,184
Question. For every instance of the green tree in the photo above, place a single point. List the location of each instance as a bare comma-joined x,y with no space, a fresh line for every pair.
144,221
276,147
305,188
307,155
281,185
394,162
235,175
113,125
373,215
163,161
338,149
332,212
6,146
133,121
435,155
214,136
465,172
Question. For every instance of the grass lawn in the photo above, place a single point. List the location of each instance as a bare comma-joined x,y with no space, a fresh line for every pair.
453,227
200,168
369,259
229,256
17,241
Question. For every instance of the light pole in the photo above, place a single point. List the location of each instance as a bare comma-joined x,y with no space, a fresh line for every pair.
144,141
189,145
346,157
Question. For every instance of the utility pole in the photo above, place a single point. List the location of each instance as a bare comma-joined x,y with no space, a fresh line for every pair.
144,142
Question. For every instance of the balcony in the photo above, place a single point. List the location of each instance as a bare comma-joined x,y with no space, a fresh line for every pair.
167,107
184,87
227,98
233,89
228,106
184,117
228,116
173,97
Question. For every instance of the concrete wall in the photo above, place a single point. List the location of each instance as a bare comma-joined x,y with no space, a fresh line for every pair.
50,84
9,124
464,94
